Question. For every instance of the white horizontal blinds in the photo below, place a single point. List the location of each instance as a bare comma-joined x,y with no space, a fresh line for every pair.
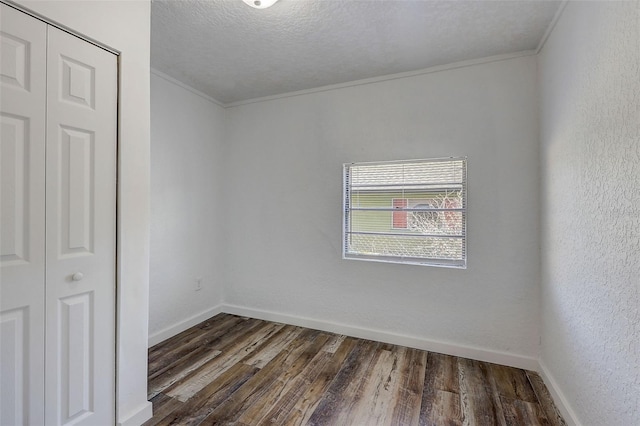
410,212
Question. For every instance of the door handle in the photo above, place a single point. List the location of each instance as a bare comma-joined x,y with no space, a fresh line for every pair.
78,276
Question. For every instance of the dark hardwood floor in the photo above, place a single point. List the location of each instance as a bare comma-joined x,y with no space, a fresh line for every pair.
243,371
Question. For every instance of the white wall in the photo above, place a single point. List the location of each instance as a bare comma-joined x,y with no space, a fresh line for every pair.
187,133
124,26
589,72
283,199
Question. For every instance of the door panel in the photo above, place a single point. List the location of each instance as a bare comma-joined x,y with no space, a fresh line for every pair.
76,320
22,219
80,227
15,160
77,166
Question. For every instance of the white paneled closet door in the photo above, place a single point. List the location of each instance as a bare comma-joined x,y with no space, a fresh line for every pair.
80,231
58,226
22,217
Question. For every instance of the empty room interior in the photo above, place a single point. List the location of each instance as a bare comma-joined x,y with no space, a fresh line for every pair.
327,212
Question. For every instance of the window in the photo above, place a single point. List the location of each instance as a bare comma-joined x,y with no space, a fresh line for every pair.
406,212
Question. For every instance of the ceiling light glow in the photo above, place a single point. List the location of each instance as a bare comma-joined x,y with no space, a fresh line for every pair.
260,4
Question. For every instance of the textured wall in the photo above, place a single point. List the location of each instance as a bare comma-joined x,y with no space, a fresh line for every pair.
283,164
187,133
589,74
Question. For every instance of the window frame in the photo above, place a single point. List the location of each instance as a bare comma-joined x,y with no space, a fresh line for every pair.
423,261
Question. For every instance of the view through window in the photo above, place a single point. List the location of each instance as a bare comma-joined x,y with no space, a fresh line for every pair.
406,211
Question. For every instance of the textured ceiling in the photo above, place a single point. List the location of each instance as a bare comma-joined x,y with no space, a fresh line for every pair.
233,52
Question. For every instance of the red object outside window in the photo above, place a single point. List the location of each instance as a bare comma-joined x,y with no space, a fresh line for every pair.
400,218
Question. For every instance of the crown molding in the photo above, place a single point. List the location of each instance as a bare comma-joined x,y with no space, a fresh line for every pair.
551,26
373,80
355,83
186,87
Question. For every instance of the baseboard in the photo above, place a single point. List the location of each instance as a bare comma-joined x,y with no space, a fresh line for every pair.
480,354
171,331
558,396
142,415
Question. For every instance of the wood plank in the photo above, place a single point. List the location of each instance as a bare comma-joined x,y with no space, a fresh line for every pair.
379,386
239,334
181,369
443,408
512,383
442,373
311,360
247,395
210,337
262,356
495,394
478,404
163,405
334,343
519,412
544,399
197,408
440,399
406,408
221,321
288,396
308,402
342,395
212,369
